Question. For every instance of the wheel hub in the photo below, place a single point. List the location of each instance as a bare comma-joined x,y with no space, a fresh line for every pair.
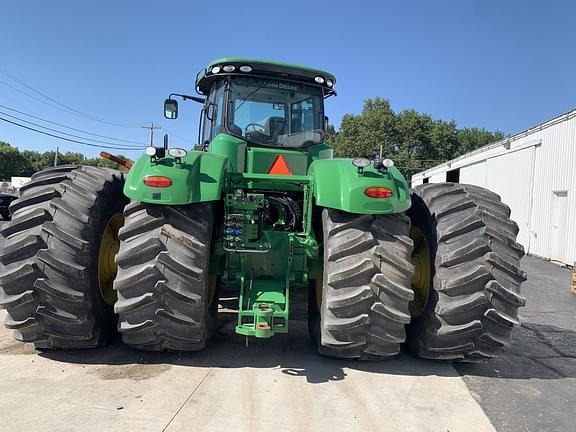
109,246
421,279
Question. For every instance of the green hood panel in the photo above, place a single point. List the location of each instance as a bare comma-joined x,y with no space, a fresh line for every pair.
198,178
338,185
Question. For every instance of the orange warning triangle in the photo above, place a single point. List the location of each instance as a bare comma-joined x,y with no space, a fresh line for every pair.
280,167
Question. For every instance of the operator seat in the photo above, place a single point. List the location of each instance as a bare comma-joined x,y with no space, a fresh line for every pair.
274,127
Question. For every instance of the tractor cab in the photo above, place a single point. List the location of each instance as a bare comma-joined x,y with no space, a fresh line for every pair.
264,104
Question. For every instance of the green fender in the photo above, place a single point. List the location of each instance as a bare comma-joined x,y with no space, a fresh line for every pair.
198,178
339,185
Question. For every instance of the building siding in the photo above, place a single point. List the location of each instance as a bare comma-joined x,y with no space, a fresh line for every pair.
535,174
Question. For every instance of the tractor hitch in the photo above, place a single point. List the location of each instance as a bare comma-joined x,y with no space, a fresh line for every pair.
263,309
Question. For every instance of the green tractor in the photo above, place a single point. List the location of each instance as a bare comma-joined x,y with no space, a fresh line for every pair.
261,207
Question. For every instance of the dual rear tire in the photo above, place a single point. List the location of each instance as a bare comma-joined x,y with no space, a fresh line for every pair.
58,276
362,308
53,290
474,276
447,274
167,300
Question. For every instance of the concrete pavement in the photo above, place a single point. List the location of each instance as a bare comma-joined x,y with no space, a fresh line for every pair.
281,384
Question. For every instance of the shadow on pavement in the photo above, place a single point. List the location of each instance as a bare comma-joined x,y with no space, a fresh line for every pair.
537,351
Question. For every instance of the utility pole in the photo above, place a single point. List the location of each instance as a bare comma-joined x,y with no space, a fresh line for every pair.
56,157
574,278
151,129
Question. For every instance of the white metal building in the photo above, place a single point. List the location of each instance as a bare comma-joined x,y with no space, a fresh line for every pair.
18,182
534,172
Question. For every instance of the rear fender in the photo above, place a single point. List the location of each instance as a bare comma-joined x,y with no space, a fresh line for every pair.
339,185
198,178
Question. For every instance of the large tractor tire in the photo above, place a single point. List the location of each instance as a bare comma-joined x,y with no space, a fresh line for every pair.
167,300
364,295
468,276
57,257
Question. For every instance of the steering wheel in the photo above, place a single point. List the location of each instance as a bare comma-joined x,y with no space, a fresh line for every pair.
254,127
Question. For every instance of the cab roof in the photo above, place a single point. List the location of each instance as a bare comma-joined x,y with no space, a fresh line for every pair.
267,68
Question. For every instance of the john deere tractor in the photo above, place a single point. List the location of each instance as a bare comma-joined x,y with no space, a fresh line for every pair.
261,207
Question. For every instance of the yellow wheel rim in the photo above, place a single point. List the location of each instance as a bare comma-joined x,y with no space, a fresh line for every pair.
109,246
421,279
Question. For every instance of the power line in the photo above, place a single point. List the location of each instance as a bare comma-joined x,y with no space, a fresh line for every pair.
66,139
71,128
51,105
37,99
66,107
184,140
151,129
71,135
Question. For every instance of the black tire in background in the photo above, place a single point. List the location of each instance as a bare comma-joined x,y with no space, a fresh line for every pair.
475,272
366,290
49,257
166,298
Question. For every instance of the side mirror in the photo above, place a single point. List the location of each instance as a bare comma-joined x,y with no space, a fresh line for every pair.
171,109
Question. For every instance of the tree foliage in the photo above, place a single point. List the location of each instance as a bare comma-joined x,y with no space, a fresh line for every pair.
12,163
15,163
415,141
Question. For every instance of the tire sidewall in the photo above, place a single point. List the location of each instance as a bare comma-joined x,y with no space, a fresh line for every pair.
420,217
103,312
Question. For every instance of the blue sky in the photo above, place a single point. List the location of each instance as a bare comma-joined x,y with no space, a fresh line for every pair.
503,65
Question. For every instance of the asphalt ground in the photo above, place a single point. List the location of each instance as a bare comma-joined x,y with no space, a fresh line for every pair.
281,384
532,386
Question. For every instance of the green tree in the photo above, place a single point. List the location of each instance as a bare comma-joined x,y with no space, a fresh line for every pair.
25,163
34,162
71,158
443,140
105,163
364,134
11,161
470,139
413,132
331,135
415,141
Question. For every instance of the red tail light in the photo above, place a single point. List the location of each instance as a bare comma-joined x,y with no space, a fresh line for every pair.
378,192
158,181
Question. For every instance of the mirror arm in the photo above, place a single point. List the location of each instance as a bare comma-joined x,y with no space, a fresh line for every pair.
187,97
